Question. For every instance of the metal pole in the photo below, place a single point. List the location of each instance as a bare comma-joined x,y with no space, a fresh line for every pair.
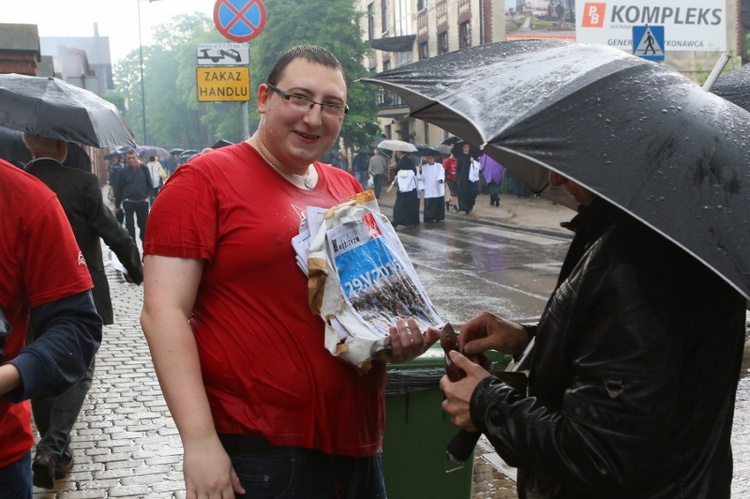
143,87
716,71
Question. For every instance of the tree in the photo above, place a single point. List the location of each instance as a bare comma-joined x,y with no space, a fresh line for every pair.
175,118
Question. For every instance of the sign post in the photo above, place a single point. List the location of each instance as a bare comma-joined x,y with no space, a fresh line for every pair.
223,74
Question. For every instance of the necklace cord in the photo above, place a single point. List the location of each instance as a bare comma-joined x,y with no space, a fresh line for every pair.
306,180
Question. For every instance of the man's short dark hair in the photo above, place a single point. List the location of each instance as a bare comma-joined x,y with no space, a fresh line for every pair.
310,53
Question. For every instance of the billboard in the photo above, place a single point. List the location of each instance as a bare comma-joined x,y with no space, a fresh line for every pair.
689,25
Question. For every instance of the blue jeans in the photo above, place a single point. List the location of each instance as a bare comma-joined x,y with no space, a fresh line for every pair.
15,479
267,472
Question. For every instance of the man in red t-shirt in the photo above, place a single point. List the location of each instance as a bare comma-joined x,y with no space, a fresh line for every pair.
56,304
238,352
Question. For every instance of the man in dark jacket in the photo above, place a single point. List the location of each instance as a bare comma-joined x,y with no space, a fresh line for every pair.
466,195
633,376
81,198
134,187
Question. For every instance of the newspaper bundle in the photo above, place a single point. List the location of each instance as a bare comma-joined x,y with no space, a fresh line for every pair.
360,279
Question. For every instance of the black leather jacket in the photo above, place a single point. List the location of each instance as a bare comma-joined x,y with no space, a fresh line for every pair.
633,380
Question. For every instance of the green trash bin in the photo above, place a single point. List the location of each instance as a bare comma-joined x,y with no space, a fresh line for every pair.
417,432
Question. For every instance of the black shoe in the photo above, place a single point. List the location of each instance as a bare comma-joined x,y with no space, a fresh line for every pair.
43,470
62,468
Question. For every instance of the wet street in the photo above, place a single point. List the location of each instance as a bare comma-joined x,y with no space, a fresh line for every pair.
126,444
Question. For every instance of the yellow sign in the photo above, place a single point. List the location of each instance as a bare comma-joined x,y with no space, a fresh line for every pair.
223,84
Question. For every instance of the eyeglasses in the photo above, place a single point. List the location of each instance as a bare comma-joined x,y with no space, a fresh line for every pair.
305,104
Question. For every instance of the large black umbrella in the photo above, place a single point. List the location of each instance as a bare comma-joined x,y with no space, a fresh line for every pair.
50,107
735,87
635,132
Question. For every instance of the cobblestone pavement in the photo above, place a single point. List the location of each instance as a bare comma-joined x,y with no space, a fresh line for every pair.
126,444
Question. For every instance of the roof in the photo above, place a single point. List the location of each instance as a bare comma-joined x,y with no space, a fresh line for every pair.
23,37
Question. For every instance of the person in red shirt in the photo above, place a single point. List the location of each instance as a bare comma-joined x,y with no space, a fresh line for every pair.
238,352
450,164
56,305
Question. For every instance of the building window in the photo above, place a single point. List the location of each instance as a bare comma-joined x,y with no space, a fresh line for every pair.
464,35
384,16
421,4
370,22
424,51
402,17
404,57
442,40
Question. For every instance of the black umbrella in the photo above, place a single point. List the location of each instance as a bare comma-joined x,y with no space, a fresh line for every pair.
176,151
735,87
425,149
12,147
50,107
635,132
450,141
146,152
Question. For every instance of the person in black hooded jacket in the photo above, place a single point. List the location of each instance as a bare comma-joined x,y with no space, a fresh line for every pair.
633,375
81,197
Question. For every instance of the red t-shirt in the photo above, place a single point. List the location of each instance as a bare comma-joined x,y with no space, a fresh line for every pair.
264,364
39,262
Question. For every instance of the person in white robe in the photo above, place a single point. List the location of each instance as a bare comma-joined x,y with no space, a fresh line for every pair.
432,186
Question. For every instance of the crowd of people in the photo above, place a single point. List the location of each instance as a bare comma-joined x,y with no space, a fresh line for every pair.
621,401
